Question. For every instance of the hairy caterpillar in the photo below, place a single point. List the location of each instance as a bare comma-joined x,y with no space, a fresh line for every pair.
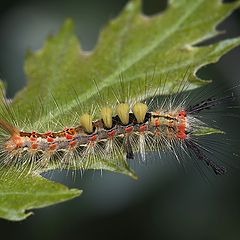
129,132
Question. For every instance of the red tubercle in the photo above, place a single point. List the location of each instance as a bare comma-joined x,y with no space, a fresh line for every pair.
53,146
93,138
182,114
182,135
129,129
111,134
73,143
33,139
68,136
143,128
182,127
50,139
157,122
34,146
34,135
182,130
69,133
17,140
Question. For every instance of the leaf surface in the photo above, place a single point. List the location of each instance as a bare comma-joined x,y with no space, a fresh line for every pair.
21,193
64,81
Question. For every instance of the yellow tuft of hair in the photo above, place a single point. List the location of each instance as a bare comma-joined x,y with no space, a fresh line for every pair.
123,112
86,122
106,114
140,110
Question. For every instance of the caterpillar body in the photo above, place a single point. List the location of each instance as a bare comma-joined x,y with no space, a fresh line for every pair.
129,132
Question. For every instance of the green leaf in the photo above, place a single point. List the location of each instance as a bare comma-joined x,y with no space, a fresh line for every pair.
25,192
129,46
61,74
207,131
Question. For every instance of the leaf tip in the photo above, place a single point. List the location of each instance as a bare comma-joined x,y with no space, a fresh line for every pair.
132,174
76,192
207,131
68,25
134,6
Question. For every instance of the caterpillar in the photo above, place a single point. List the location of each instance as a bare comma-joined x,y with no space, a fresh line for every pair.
129,132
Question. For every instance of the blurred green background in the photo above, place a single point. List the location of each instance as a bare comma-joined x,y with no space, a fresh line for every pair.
166,202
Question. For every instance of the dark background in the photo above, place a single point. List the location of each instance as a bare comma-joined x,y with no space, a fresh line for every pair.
166,202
